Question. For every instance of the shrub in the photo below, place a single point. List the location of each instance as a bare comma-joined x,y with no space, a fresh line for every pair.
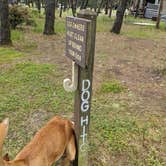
19,14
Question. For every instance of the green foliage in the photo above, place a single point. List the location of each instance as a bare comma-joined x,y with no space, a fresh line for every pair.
19,14
112,86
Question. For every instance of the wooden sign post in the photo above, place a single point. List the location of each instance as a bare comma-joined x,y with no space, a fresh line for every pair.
80,47
83,93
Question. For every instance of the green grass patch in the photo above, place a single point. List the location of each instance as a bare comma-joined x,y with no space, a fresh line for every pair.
131,19
17,35
163,26
60,25
18,39
112,86
29,95
144,32
140,31
117,132
120,134
27,87
9,54
39,25
104,23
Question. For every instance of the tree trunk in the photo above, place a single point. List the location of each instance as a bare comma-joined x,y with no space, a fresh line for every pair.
98,11
110,12
65,6
84,4
4,23
50,17
74,7
106,7
110,5
38,4
119,17
61,9
159,14
137,9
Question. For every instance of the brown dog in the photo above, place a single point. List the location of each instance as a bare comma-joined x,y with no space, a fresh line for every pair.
48,145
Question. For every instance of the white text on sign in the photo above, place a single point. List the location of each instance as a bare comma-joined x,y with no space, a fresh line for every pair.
85,97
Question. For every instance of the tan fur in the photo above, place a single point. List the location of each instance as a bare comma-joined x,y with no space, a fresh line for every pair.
47,146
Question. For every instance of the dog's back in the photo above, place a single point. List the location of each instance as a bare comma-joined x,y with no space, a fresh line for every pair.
49,144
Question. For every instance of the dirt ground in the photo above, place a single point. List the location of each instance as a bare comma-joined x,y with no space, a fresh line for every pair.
139,64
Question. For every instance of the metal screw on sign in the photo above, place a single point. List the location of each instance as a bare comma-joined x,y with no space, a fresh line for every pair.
80,47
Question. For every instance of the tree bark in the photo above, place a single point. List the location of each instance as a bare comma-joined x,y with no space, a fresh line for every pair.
50,17
159,14
84,4
4,23
98,11
74,7
110,7
106,7
38,4
110,11
119,17
61,9
137,9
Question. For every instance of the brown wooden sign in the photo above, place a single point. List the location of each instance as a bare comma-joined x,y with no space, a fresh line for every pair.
76,39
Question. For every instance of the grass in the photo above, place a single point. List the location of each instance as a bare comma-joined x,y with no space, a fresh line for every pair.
139,31
104,23
142,32
17,35
28,92
126,135
9,54
31,93
112,86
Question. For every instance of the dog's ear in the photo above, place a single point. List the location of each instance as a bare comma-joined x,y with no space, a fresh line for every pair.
6,157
